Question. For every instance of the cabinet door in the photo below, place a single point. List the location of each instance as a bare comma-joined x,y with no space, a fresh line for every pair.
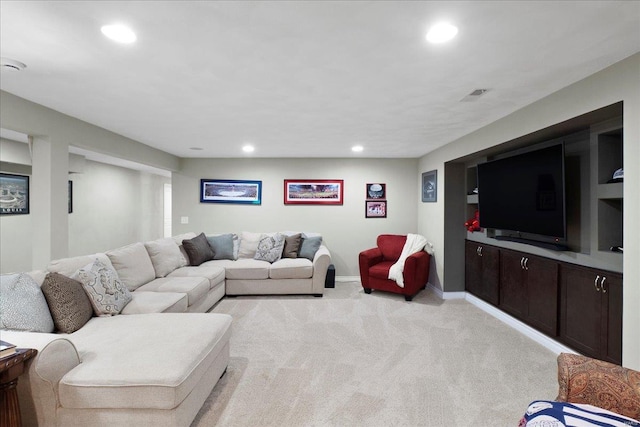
581,309
490,274
513,286
473,269
611,290
542,294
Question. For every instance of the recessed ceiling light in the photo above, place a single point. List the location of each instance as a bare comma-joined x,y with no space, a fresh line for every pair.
441,32
357,148
196,148
119,33
248,149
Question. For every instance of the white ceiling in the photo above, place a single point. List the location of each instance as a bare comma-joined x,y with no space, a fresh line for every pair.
306,78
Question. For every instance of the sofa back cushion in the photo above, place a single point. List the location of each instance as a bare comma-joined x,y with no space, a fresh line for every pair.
133,265
165,256
391,246
178,239
68,302
68,266
23,306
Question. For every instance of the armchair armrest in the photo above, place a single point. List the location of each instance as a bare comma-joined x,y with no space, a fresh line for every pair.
595,382
416,270
366,260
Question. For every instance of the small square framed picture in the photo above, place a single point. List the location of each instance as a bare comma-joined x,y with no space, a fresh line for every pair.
376,191
375,209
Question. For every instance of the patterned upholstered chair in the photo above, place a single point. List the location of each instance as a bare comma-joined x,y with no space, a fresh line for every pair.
376,262
598,383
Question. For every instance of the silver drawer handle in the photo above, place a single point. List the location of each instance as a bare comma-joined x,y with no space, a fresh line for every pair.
522,263
595,282
604,290
526,263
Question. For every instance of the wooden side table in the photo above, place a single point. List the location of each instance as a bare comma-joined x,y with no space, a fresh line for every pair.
11,367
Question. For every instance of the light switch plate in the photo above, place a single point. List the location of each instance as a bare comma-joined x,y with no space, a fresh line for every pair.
184,220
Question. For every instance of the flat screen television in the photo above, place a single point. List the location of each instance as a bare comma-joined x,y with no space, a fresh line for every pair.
523,196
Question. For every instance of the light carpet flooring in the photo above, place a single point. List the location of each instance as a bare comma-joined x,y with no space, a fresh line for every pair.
352,359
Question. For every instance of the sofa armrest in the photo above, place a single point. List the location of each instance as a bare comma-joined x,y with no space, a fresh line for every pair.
38,386
321,262
595,382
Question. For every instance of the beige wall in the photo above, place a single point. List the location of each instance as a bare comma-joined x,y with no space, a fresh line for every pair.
619,82
344,228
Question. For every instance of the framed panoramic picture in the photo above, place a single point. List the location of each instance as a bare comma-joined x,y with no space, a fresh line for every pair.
230,191
14,194
375,209
430,186
313,191
376,191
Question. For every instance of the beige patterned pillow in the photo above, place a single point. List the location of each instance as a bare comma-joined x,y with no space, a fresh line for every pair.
107,293
270,248
68,302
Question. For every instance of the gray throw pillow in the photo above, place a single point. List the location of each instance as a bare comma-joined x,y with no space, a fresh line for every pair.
68,302
22,305
108,295
270,248
292,246
309,247
222,246
198,249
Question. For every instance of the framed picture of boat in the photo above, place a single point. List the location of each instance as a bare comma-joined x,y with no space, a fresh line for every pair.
230,191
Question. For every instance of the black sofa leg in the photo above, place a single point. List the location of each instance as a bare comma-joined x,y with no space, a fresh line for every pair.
367,290
408,297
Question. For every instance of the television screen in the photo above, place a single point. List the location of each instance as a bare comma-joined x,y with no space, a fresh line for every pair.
524,193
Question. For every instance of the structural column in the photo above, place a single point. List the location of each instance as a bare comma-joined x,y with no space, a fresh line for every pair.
48,200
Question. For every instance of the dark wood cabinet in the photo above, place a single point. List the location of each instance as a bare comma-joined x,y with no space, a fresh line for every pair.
529,289
579,306
591,312
481,271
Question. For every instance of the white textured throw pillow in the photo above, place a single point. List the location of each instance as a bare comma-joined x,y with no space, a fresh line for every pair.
270,247
248,244
108,295
23,306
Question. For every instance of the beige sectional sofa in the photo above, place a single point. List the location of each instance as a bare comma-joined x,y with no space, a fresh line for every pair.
156,362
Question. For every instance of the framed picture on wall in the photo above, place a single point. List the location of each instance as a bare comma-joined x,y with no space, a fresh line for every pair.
430,186
375,209
230,191
313,191
70,196
376,191
14,194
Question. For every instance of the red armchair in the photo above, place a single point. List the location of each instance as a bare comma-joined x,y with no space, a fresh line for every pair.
375,264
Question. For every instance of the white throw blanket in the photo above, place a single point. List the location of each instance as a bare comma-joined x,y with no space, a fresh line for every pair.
414,243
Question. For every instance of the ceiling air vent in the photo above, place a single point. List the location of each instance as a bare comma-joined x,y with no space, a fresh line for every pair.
11,64
473,96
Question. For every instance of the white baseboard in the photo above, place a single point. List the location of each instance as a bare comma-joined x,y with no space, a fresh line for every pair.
445,295
521,327
347,278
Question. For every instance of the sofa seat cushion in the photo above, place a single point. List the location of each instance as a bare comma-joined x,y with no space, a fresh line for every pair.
142,361
195,287
156,302
381,270
247,269
291,268
208,270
